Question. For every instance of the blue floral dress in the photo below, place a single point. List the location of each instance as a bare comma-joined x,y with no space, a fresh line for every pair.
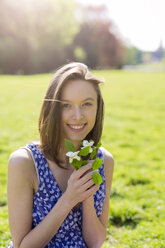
69,234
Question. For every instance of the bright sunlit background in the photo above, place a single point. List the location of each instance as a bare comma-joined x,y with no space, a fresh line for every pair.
37,36
140,22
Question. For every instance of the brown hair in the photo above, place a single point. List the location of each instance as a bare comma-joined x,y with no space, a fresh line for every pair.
50,115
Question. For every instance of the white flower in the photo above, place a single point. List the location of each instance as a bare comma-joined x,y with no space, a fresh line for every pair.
72,155
86,143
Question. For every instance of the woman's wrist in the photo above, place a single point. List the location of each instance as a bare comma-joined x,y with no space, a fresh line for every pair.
67,201
89,201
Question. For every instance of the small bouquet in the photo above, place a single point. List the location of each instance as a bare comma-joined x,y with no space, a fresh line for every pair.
78,158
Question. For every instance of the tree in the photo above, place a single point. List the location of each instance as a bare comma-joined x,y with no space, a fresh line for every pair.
35,33
100,44
133,56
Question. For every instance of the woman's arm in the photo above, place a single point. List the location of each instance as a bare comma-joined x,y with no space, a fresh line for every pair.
20,202
94,228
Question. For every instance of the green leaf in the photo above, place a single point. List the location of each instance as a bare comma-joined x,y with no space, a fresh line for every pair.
69,146
97,164
77,164
93,153
98,145
85,162
84,151
97,179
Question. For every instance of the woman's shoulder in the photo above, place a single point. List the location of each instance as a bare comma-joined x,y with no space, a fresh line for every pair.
21,162
108,157
108,164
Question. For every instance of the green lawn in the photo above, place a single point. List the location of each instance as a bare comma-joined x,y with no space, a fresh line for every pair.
133,132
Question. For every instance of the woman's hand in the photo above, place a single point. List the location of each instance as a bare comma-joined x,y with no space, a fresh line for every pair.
80,185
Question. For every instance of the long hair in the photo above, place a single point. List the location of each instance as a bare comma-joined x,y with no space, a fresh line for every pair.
50,115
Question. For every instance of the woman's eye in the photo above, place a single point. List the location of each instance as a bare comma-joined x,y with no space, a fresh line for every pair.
87,104
66,105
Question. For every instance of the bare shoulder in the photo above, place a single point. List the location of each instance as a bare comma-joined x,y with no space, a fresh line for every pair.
108,159
21,163
20,158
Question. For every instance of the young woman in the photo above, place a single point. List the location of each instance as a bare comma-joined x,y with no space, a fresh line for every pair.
51,204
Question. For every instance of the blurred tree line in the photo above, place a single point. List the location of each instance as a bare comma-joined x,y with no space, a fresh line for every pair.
37,36
133,56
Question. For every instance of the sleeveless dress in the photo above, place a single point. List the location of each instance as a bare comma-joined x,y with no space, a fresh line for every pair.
69,235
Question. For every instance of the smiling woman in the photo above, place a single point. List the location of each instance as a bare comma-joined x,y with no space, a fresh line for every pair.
73,93
59,206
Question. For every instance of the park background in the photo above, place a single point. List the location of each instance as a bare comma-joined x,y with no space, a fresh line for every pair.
38,36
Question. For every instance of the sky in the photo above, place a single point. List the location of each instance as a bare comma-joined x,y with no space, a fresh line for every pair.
140,22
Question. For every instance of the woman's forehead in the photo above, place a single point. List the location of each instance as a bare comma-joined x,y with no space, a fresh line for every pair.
78,88
63,100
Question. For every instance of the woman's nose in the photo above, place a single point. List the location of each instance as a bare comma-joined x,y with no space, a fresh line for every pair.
78,113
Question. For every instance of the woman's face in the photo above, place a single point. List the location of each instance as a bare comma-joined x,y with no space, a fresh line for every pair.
79,108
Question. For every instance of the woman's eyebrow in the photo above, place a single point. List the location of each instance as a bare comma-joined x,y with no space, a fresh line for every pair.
89,99
86,99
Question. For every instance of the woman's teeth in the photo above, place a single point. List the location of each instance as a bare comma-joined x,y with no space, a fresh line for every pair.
77,127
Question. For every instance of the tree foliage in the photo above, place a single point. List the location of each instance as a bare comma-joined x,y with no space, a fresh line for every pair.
40,35
133,56
103,48
34,33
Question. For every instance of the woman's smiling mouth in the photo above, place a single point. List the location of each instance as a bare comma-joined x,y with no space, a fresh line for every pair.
76,127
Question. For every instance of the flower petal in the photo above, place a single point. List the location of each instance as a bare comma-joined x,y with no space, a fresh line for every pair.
91,143
91,150
70,160
69,154
85,143
77,157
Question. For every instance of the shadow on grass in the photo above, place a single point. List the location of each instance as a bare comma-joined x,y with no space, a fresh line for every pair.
137,181
128,221
3,202
125,216
116,193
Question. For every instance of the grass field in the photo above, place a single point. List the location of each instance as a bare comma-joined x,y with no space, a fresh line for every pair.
134,132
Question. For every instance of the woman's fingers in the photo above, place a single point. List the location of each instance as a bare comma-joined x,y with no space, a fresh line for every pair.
82,170
85,178
83,175
91,191
87,185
